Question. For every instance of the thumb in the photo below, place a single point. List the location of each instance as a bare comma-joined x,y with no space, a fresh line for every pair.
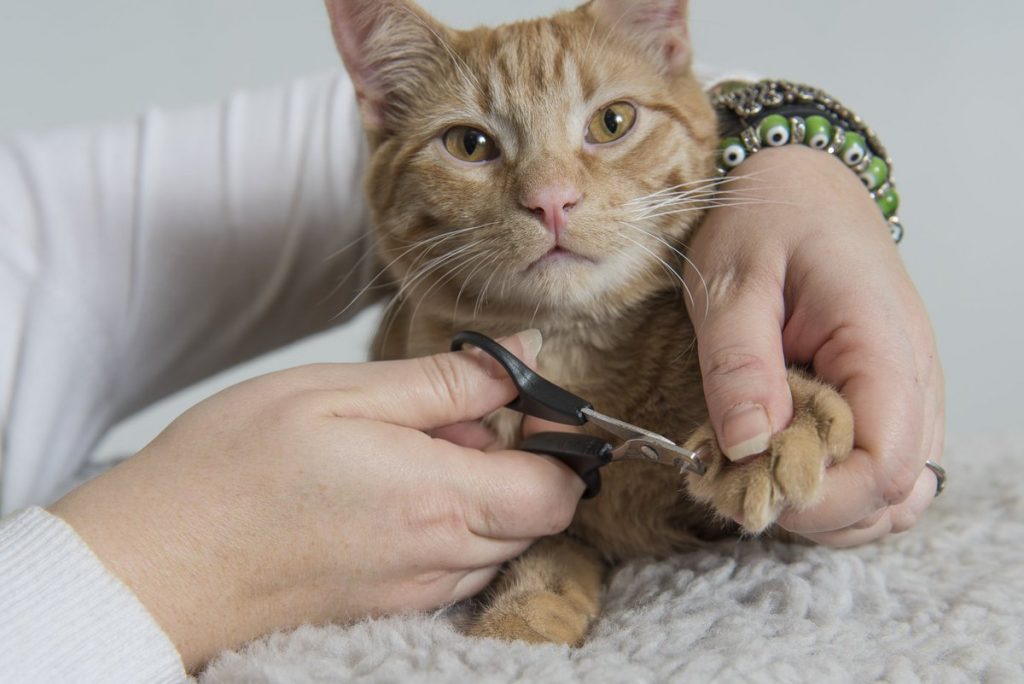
744,370
434,391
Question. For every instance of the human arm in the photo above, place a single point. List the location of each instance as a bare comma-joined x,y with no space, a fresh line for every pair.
810,275
138,257
313,495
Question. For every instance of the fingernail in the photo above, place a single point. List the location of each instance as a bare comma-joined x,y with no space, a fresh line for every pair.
746,431
532,340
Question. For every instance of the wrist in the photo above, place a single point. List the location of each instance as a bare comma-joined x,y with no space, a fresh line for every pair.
772,114
789,193
168,568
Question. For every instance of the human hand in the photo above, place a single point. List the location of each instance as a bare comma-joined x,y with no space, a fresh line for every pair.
810,276
313,495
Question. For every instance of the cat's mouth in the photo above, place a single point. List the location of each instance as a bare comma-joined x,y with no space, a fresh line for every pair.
559,255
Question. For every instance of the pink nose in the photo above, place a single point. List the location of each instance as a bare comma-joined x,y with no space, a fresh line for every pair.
552,204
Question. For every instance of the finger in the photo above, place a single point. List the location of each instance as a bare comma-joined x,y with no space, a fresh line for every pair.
883,469
473,582
432,391
846,538
906,514
533,426
871,520
472,435
743,368
891,519
513,495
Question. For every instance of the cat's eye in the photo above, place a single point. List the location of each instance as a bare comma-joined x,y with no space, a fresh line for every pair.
470,145
611,123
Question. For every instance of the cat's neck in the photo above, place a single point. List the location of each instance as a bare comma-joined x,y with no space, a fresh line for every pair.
575,345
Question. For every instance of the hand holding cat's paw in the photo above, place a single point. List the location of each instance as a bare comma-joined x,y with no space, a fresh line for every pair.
790,473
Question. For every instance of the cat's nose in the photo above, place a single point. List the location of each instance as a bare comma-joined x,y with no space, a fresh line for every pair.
552,205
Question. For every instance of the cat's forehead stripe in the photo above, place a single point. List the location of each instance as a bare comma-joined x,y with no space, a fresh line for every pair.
523,63
673,113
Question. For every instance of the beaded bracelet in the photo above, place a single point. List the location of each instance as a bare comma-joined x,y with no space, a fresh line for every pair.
776,113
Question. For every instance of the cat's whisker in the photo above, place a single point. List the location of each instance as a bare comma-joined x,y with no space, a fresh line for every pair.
414,279
536,312
610,33
590,39
697,192
666,265
451,274
460,64
696,204
702,183
334,255
425,244
373,281
370,254
466,281
715,205
694,195
636,261
452,233
682,255
481,299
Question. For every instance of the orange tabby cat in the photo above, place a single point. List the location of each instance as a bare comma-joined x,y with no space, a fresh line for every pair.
547,173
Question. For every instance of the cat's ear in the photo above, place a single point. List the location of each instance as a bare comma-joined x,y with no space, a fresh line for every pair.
387,46
659,27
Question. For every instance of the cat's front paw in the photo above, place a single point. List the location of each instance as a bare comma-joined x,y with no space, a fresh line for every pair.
789,475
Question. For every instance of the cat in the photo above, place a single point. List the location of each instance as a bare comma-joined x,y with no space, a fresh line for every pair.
519,177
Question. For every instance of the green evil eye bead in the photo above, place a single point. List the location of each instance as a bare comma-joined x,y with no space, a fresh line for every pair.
733,152
889,203
774,131
876,173
819,132
854,149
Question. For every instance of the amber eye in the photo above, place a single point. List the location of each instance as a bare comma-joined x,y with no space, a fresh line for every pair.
470,144
611,123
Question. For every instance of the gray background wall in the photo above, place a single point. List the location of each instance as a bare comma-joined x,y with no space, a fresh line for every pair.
939,79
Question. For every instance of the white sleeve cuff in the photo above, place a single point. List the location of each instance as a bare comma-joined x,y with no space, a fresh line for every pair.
64,617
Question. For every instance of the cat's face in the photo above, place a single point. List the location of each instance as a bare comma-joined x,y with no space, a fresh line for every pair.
511,165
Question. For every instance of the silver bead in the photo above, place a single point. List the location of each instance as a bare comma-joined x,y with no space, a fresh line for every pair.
838,140
896,229
798,129
751,139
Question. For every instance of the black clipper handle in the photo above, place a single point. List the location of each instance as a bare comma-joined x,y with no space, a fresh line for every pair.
537,397
583,453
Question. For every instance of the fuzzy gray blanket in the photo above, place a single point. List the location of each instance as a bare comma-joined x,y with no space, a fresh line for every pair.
942,603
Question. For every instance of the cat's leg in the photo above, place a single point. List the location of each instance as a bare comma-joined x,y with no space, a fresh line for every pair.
550,594
790,474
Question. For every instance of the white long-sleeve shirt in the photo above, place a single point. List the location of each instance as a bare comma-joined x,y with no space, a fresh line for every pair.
135,259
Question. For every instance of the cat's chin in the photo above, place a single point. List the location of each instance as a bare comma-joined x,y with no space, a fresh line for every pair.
559,257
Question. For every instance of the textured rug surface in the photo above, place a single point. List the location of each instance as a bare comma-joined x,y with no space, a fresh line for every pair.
942,603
